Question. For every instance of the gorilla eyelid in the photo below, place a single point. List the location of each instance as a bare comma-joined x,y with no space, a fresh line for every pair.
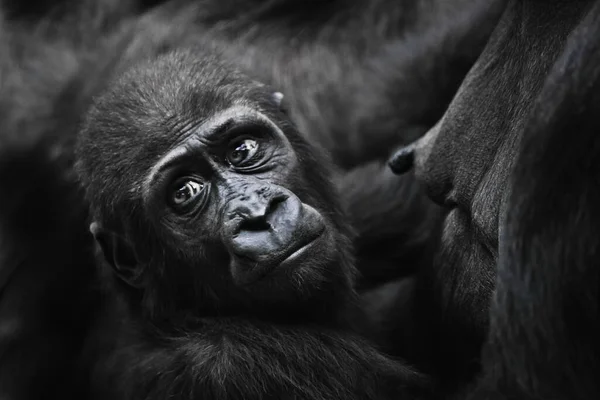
185,160
158,170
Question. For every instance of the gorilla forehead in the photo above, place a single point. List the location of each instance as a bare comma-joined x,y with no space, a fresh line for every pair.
171,92
147,109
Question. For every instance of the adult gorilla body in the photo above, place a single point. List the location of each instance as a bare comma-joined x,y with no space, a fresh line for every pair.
519,235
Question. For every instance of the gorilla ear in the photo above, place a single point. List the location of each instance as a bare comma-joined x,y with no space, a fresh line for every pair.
278,99
120,254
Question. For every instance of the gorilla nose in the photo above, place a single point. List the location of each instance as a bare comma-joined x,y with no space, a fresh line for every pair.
256,215
263,228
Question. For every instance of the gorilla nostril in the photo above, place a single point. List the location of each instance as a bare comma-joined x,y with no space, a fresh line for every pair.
255,225
275,203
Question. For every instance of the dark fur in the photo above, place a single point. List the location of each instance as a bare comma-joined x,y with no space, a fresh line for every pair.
520,240
545,322
381,223
32,12
44,283
45,302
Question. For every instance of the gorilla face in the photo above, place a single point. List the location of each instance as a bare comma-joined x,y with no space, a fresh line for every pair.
229,184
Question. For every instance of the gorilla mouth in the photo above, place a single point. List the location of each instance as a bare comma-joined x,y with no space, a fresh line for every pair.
301,250
247,270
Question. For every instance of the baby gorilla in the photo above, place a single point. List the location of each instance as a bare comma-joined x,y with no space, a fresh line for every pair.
234,260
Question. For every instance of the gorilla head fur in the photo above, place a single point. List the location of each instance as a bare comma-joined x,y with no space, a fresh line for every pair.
206,199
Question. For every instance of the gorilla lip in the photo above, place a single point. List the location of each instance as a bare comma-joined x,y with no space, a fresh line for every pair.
302,249
287,259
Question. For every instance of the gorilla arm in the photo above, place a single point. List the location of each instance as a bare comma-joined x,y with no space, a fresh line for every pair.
252,360
396,225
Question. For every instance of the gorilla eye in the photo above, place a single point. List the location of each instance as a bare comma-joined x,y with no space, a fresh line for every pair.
242,152
185,191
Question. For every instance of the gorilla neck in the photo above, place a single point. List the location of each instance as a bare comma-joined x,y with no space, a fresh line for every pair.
333,303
